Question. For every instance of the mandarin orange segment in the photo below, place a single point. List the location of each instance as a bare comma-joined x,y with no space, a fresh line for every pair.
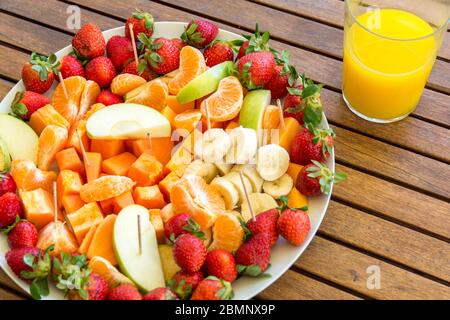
227,233
192,195
125,82
226,102
152,94
68,107
59,235
105,187
177,107
88,96
271,118
45,116
95,107
28,177
52,140
73,140
187,120
192,64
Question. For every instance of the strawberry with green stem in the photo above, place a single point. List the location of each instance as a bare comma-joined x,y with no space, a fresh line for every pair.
200,33
25,103
39,72
285,75
213,288
316,178
220,51
142,22
294,224
162,55
312,143
184,283
256,69
255,42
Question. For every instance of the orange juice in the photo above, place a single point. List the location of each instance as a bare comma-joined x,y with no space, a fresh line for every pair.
387,63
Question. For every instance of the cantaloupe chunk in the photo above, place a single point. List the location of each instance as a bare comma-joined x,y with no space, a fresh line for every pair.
177,107
71,202
118,165
102,242
167,212
107,148
38,207
68,159
296,199
68,182
107,206
183,153
122,201
93,165
156,220
73,140
84,246
166,184
84,218
231,125
169,114
291,127
149,197
271,118
45,116
161,148
293,170
146,170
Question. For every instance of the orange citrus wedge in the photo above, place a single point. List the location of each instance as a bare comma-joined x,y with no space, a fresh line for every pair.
88,96
152,94
187,120
126,82
105,187
28,177
52,140
227,233
68,107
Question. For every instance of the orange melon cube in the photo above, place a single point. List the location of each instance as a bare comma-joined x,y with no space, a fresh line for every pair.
102,241
71,202
170,115
118,165
129,145
231,125
84,246
38,207
146,170
293,170
68,182
183,152
107,206
161,148
122,201
45,116
68,159
271,118
157,222
177,107
149,197
84,218
296,199
93,165
291,127
166,184
107,148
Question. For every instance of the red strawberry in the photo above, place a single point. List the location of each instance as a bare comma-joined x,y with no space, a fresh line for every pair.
25,103
278,83
213,288
24,234
243,49
101,70
142,23
182,223
124,292
162,54
180,44
218,52
143,70
120,51
70,66
293,104
311,144
160,294
15,259
189,252
7,183
316,178
10,209
97,288
88,42
256,69
294,225
183,283
253,256
255,42
265,222
221,263
108,98
200,33
38,74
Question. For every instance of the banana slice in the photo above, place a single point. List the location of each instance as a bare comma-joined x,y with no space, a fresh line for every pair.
244,144
227,190
272,162
235,179
206,170
250,172
223,168
280,187
260,202
213,146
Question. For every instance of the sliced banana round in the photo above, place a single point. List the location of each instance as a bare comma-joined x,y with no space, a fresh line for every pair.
244,144
223,167
213,146
272,162
260,202
235,179
206,170
252,174
280,187
228,191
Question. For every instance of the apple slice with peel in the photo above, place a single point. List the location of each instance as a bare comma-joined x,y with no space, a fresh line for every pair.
20,140
127,121
204,84
143,268
252,112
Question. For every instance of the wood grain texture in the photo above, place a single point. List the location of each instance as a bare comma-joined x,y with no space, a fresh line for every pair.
5,280
7,295
5,86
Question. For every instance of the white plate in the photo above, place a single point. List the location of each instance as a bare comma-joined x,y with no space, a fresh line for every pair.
283,254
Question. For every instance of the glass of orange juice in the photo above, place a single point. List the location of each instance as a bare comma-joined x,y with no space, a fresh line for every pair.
389,50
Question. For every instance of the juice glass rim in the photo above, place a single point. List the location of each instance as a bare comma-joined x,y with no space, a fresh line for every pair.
349,10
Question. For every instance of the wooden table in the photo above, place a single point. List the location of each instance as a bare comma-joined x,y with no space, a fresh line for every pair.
393,212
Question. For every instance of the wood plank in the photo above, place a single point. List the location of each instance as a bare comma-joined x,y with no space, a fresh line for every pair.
295,286
7,295
6,281
11,62
412,169
348,268
387,239
5,86
396,202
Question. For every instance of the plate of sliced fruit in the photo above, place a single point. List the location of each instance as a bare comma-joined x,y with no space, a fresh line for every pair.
157,161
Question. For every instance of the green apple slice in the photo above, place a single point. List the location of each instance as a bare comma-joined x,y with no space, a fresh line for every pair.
127,121
21,141
143,268
5,157
204,84
252,112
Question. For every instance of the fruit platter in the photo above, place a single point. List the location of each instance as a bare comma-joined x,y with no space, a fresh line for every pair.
160,160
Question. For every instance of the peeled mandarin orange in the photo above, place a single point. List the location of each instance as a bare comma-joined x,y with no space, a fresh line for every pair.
227,233
192,63
88,96
59,235
28,177
152,94
95,107
52,140
192,195
125,82
226,102
68,107
105,187
187,120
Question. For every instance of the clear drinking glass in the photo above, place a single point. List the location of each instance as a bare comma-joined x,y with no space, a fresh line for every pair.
389,50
